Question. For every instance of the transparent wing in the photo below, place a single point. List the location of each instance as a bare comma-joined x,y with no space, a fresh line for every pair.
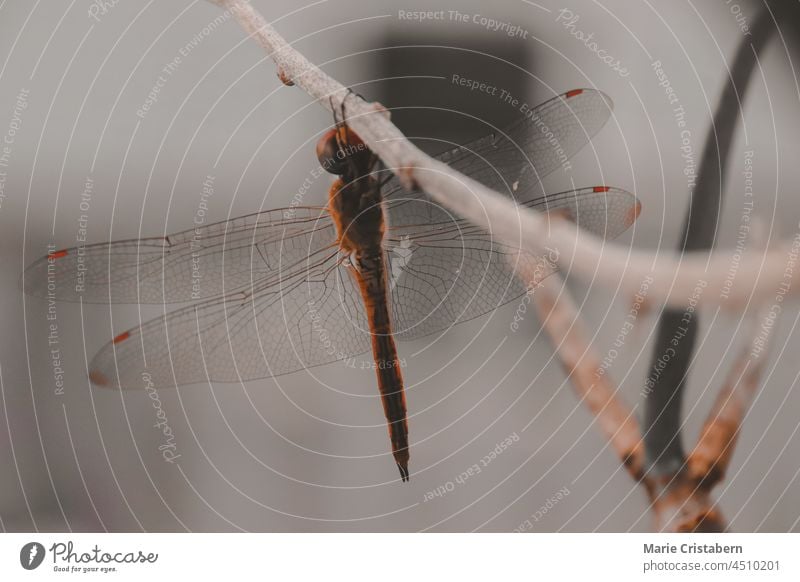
306,320
229,256
516,159
445,271
289,302
192,265
439,275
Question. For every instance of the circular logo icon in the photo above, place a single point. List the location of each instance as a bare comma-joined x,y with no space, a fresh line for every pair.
31,555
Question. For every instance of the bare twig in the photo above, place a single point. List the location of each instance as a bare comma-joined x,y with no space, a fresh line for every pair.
592,384
683,502
710,458
680,502
588,256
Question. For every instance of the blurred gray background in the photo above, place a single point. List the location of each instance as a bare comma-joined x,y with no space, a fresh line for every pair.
291,454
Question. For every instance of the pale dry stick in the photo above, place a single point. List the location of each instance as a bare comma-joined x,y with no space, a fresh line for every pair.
582,364
682,498
709,461
589,257
681,502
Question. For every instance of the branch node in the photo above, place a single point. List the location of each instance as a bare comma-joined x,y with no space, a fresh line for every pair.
285,79
379,108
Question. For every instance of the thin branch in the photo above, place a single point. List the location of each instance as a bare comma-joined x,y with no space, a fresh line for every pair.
710,458
678,503
682,502
591,383
588,256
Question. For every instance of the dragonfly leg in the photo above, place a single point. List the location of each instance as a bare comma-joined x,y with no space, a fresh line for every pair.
384,181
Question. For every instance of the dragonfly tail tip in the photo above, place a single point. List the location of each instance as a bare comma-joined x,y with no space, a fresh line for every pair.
403,472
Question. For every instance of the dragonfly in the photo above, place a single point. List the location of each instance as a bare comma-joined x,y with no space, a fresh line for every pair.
284,290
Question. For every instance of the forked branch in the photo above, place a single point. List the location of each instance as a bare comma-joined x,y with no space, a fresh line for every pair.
709,460
681,501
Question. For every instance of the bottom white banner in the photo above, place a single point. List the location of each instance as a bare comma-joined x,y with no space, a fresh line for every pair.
388,557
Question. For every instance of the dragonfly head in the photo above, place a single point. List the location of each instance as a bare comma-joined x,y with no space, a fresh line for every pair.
340,148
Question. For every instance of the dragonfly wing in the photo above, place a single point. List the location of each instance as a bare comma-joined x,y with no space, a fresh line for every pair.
444,270
515,159
444,282
311,319
196,264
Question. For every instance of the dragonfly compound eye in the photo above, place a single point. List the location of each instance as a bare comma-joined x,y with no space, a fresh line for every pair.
333,153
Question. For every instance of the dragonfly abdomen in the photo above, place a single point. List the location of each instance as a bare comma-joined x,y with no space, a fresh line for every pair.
372,279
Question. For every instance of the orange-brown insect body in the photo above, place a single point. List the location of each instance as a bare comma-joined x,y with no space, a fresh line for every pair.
355,203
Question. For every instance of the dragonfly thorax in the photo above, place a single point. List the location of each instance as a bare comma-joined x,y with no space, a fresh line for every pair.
357,211
354,200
